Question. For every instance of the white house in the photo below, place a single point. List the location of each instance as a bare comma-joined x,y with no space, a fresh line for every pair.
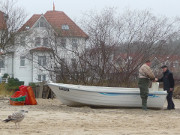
2,30
31,58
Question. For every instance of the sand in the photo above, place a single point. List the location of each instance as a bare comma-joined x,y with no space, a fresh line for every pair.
50,117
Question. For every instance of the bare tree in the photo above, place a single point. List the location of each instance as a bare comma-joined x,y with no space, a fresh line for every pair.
122,43
13,19
117,46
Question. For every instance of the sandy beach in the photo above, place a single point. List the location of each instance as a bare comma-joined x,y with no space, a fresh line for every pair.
50,117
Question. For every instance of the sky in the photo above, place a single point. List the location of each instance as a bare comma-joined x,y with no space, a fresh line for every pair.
75,8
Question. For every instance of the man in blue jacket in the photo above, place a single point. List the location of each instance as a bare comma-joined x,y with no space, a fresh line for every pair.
168,83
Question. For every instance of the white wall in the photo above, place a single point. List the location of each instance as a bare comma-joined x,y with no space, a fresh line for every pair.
31,70
8,64
23,73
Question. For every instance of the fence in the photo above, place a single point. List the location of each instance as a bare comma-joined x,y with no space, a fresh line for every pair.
43,91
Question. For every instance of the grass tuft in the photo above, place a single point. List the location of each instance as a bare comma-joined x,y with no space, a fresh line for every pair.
4,91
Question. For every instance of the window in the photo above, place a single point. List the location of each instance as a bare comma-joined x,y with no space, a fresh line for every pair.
42,60
41,78
65,27
27,27
73,62
22,40
22,61
37,41
62,63
63,42
74,44
167,63
176,64
45,41
1,63
42,24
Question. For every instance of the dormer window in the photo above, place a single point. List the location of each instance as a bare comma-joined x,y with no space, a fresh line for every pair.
65,27
27,27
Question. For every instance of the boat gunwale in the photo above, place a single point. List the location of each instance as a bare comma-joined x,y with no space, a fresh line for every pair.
125,90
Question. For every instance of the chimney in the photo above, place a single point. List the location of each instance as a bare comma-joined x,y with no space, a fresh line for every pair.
53,6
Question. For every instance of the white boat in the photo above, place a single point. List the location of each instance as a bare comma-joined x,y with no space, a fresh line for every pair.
78,95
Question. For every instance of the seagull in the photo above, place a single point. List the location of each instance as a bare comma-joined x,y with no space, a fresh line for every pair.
16,117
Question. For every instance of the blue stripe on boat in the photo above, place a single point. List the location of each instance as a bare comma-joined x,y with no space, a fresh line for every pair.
117,94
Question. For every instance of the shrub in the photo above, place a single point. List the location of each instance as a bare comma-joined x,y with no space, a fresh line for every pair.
32,84
13,84
5,75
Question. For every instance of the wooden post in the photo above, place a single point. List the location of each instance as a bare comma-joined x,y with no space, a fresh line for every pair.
37,91
41,90
45,92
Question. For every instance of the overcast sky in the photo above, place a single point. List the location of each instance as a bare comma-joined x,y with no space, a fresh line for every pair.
75,8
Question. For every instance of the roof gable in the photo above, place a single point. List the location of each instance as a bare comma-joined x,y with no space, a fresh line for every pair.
57,19
30,22
41,22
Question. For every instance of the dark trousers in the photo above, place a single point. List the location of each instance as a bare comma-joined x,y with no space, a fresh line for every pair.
169,100
143,84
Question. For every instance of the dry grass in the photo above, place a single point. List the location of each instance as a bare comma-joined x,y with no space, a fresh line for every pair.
4,91
177,92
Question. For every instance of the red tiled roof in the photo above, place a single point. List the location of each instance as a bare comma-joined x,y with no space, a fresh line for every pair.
30,22
171,58
2,21
41,49
56,19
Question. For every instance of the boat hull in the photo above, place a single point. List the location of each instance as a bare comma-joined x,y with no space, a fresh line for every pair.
77,95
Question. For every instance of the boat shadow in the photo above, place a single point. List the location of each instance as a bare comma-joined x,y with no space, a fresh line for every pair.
126,108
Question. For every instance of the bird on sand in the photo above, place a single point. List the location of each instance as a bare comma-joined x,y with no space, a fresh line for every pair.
16,117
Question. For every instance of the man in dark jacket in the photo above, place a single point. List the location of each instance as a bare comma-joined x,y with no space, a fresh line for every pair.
168,83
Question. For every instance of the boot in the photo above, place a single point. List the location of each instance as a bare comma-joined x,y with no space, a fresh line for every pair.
144,104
